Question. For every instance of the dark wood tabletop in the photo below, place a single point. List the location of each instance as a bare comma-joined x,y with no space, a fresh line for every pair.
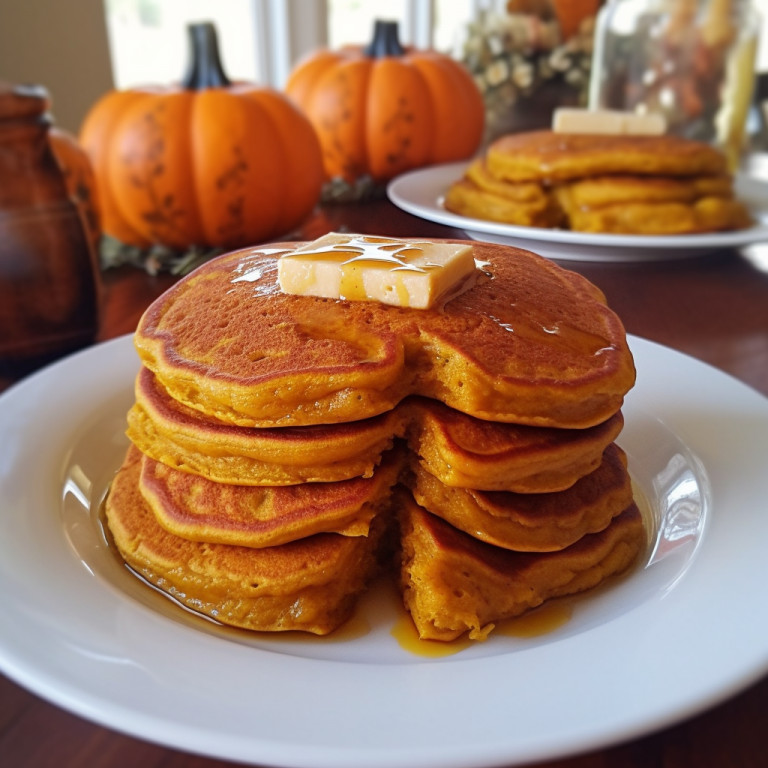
714,308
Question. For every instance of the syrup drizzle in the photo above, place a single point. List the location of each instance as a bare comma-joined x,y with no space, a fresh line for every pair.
530,323
253,274
363,250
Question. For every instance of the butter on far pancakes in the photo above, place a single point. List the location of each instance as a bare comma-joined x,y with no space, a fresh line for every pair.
609,122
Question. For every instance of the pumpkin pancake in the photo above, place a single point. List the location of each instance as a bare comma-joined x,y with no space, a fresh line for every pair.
452,583
186,439
308,585
550,157
544,522
458,449
532,344
708,214
464,452
528,192
613,190
200,510
467,199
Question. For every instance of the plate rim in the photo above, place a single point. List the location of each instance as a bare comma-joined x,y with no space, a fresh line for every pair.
436,176
114,715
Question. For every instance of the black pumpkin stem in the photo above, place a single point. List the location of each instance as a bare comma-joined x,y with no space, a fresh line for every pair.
385,41
205,70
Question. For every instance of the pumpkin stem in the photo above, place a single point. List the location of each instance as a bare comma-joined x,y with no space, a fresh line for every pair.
205,70
385,41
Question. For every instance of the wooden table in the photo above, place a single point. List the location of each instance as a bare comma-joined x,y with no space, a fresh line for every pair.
714,308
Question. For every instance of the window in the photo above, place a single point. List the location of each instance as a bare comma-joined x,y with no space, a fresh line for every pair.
148,40
261,40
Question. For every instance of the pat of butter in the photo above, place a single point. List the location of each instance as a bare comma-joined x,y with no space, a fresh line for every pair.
607,122
368,268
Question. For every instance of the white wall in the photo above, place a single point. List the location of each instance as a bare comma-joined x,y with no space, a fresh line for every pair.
61,44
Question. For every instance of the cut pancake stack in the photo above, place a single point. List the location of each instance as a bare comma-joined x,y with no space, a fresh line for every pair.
649,185
270,432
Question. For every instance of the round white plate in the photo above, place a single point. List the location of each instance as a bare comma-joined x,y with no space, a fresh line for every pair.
687,628
421,193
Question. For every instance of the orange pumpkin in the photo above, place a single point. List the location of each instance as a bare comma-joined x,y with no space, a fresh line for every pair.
206,163
79,178
383,110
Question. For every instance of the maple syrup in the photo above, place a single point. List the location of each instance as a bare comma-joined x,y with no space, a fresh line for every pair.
135,585
548,617
407,636
545,619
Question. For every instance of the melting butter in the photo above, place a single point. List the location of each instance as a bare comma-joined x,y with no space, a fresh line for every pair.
368,268
607,122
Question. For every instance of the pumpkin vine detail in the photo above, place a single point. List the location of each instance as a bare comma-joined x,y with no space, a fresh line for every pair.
399,126
335,148
146,166
233,178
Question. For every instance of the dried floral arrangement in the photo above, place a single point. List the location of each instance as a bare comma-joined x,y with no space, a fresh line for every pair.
517,55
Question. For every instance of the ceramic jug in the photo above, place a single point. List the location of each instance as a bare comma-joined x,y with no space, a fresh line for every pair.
48,266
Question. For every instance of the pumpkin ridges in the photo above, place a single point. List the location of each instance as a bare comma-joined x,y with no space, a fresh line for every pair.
400,120
150,171
204,163
95,138
474,108
239,188
79,178
340,126
457,130
341,153
305,76
303,173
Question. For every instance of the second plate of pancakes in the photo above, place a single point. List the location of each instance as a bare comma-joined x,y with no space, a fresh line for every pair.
421,193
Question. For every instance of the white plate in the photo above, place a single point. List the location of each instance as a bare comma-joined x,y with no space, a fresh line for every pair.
686,629
421,193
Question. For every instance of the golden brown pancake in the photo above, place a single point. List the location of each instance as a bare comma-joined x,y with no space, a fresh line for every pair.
534,344
542,522
186,439
708,214
458,449
452,583
201,510
553,157
308,585
464,452
467,199
613,190
530,192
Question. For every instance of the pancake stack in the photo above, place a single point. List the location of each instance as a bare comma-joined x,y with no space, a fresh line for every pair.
283,447
648,185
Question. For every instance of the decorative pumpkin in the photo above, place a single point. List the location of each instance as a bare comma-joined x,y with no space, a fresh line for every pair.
383,110
570,14
80,180
207,163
